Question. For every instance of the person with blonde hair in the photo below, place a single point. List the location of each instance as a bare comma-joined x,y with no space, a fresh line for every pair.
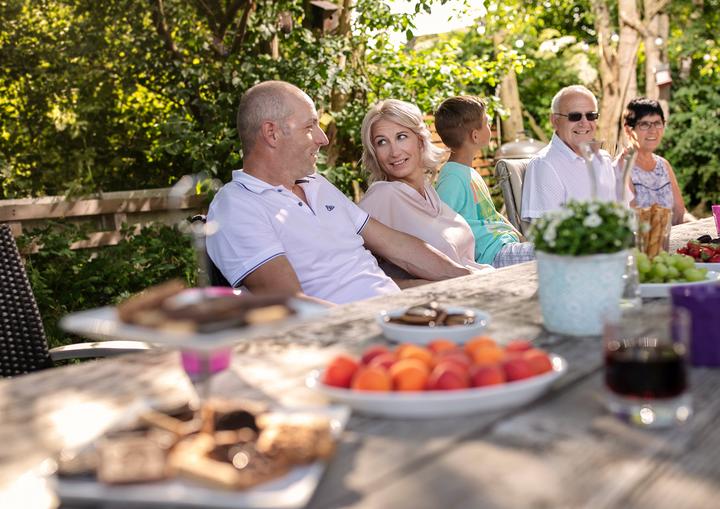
400,159
284,229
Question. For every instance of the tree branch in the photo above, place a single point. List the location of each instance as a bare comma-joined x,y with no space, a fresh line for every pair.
242,27
642,28
160,21
229,16
656,9
602,21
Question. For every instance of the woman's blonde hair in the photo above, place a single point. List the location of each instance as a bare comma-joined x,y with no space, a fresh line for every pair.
407,115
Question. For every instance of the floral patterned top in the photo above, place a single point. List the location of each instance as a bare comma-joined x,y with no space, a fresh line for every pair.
652,186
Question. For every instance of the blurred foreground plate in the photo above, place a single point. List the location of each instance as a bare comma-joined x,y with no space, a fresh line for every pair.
103,324
291,491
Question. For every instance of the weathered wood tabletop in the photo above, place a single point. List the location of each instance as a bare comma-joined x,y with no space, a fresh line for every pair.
562,450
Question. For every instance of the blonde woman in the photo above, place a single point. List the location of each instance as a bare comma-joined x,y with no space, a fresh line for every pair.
400,160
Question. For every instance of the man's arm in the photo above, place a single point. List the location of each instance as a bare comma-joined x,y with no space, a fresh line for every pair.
410,253
277,276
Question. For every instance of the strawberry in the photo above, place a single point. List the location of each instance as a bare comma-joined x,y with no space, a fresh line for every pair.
706,253
683,250
694,250
715,258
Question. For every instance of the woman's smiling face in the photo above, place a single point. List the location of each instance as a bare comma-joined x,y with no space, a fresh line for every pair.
648,132
398,149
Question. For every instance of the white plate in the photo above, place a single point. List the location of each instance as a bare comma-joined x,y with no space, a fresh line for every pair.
103,324
422,335
294,490
424,404
655,290
708,266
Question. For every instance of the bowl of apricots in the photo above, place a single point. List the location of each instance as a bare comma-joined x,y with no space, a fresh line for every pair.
440,379
423,323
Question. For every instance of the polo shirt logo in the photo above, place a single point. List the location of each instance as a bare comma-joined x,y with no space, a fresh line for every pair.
329,207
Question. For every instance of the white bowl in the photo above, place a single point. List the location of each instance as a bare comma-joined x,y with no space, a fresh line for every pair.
659,290
439,404
422,334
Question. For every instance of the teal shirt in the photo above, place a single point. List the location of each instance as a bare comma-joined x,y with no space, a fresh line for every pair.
465,191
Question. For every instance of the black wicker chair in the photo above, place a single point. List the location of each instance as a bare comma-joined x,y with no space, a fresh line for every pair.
23,344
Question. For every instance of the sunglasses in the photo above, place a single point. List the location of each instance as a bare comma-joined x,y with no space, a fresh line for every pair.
575,116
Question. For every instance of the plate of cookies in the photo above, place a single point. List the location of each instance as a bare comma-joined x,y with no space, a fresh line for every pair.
424,323
198,318
227,455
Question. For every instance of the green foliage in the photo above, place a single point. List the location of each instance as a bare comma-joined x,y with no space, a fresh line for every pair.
66,280
584,228
691,141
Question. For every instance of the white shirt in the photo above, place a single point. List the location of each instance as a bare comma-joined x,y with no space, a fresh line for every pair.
557,174
258,222
399,206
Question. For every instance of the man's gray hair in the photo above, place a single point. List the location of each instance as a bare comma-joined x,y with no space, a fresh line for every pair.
572,89
266,101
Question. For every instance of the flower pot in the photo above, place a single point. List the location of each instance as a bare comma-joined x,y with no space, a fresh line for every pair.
577,291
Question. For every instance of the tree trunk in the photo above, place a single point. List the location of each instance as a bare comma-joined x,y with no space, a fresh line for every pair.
510,98
617,67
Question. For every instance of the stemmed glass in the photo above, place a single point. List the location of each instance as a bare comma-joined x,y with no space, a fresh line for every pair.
590,151
201,365
594,161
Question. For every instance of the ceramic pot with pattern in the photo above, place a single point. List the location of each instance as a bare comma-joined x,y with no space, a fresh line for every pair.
576,292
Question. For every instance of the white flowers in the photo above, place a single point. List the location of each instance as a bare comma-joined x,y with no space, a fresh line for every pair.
593,220
584,228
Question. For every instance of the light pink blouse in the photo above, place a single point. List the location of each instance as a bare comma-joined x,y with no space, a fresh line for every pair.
399,206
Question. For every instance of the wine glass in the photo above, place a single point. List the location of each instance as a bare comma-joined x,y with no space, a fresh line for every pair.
590,151
631,290
200,364
646,374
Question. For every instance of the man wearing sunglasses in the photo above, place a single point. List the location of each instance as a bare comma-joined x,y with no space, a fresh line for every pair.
558,172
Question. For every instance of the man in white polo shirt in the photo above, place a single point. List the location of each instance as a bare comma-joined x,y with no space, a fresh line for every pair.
558,172
282,228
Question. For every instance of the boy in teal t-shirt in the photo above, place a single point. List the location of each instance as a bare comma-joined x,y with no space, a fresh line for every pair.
463,126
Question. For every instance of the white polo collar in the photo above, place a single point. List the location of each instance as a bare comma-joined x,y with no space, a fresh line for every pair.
563,148
257,186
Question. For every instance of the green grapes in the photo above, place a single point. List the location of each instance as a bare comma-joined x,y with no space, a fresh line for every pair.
668,268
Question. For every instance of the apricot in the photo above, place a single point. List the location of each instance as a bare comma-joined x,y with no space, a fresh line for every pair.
371,378
441,345
517,368
479,342
447,376
518,345
487,374
340,371
538,360
410,351
487,355
457,356
384,360
371,352
409,375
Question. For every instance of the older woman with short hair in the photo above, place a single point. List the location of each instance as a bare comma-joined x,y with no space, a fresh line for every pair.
652,179
401,160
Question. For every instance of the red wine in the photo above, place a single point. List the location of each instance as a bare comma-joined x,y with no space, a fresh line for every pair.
645,370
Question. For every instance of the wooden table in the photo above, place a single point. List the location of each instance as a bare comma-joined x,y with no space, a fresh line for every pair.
563,450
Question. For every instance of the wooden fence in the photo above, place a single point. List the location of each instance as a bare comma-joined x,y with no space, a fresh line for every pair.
105,212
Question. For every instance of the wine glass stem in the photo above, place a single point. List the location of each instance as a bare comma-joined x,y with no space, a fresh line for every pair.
201,365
